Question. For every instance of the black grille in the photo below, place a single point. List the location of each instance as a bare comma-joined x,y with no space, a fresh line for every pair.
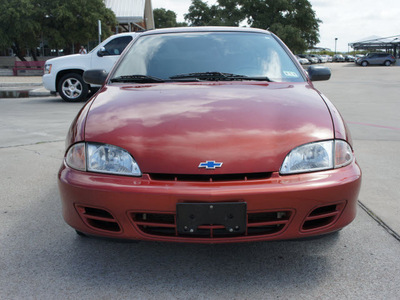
323,216
98,218
164,224
209,178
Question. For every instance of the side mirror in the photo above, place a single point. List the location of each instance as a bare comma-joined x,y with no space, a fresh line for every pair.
318,73
96,77
102,52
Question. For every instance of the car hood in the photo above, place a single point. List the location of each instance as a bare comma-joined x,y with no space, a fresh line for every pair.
74,60
172,127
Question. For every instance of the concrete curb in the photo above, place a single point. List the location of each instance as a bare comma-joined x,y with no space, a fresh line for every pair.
41,92
19,84
32,90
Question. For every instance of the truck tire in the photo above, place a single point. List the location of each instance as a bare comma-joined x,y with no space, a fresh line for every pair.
72,88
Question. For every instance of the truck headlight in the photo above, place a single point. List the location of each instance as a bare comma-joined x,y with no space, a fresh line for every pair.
47,68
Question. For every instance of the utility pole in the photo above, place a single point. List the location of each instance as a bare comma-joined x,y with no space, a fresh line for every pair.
335,44
99,23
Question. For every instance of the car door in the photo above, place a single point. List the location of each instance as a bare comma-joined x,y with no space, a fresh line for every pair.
106,59
381,58
374,59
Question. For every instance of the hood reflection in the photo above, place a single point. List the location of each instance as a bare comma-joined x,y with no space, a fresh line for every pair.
248,125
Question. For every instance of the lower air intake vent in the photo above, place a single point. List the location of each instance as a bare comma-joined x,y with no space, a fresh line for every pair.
98,219
323,216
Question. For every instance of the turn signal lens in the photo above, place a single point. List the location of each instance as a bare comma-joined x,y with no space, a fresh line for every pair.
343,154
76,157
47,68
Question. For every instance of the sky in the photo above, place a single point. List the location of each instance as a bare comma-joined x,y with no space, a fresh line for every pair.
348,21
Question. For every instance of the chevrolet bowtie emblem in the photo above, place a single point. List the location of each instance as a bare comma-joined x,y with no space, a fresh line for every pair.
210,165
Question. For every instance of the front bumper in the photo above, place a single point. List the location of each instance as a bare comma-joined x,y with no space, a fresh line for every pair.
280,207
49,81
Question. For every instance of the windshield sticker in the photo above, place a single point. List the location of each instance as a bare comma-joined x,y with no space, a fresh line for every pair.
290,74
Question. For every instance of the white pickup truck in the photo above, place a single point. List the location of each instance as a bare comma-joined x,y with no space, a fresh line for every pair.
64,74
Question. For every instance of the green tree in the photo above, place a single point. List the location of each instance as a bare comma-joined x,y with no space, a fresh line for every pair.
225,13
75,21
199,14
294,21
24,23
229,12
166,18
20,25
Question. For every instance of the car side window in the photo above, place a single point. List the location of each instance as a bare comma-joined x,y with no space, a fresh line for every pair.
117,45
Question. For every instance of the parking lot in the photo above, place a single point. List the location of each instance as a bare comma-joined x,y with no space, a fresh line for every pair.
42,258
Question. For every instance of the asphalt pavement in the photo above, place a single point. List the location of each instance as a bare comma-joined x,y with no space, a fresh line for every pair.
368,99
42,258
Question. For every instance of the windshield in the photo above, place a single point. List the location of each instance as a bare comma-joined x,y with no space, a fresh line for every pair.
182,55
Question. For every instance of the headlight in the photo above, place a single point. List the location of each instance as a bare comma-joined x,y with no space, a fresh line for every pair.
111,159
317,157
102,158
47,68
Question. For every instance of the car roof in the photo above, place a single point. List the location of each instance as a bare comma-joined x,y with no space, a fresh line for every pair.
111,37
205,29
126,33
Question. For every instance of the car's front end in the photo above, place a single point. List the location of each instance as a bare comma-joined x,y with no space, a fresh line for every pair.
147,208
303,61
338,58
55,66
323,58
209,157
313,59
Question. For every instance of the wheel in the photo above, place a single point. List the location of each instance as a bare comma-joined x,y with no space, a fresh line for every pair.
72,88
387,63
364,63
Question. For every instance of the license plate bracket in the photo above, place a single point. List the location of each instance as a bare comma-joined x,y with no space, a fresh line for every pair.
231,215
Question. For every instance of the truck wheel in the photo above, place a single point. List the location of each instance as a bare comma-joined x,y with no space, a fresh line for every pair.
72,88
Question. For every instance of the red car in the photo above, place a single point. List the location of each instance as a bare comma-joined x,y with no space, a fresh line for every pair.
208,135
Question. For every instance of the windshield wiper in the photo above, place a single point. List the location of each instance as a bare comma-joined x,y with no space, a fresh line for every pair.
137,78
217,76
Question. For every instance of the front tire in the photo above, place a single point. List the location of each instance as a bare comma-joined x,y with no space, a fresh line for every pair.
364,63
72,88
